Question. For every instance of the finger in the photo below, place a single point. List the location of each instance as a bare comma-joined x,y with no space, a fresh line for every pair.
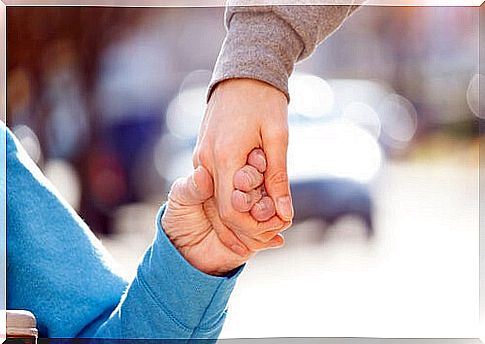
225,167
225,235
247,178
257,159
251,228
275,144
264,209
243,202
269,235
253,234
273,224
275,240
194,189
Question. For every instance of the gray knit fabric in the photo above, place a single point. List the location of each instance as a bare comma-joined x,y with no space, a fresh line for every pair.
264,42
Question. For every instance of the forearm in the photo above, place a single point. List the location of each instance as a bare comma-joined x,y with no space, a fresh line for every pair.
57,269
264,42
168,299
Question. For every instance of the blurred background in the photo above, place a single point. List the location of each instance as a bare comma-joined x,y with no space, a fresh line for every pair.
383,156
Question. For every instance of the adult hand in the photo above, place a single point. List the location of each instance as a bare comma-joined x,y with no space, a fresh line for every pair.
191,218
244,114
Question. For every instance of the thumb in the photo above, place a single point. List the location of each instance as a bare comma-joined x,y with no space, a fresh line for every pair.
275,144
194,189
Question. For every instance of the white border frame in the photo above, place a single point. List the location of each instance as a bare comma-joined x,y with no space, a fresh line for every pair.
218,3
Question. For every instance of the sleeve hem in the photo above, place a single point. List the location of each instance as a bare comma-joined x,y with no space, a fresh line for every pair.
260,46
243,75
184,264
192,299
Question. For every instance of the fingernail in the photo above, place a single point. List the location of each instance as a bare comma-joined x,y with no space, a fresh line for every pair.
285,208
238,249
277,244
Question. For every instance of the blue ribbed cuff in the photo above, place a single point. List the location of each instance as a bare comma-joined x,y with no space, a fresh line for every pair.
193,298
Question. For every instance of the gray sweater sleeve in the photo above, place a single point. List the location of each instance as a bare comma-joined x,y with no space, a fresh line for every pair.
264,42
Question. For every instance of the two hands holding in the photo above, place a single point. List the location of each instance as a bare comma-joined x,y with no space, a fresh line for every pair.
237,200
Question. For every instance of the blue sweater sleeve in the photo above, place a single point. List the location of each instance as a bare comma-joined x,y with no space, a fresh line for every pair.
57,269
191,303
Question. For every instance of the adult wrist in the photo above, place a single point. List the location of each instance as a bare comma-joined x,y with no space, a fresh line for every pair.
241,86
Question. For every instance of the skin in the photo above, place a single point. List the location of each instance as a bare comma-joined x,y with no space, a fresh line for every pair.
242,115
192,220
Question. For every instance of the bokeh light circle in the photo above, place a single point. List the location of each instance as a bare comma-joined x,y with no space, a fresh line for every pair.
311,96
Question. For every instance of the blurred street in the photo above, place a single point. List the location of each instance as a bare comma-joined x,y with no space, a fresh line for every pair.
325,278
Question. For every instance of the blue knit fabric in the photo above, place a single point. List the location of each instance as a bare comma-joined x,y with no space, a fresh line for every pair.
57,269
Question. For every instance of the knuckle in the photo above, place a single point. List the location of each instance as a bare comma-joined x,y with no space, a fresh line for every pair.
177,184
277,178
203,154
175,192
226,214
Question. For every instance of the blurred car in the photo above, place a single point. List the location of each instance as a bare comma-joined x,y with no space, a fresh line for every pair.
330,199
